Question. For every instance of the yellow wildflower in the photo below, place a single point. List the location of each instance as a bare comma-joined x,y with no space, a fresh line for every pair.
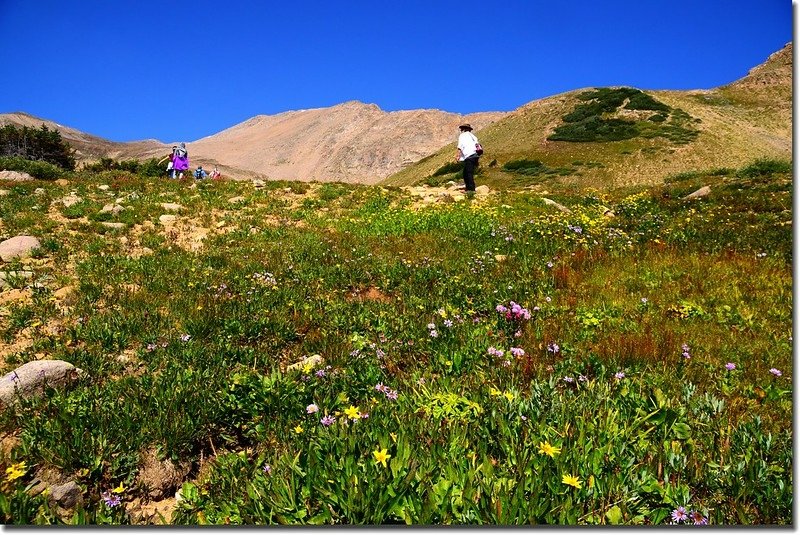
298,429
16,471
119,490
548,449
381,456
509,395
352,413
494,392
572,481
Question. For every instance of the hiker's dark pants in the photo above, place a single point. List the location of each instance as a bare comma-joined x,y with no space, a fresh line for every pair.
469,172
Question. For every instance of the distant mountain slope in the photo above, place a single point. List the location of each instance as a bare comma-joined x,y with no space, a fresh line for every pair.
733,124
350,142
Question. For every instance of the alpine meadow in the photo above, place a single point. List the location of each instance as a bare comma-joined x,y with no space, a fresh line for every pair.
602,335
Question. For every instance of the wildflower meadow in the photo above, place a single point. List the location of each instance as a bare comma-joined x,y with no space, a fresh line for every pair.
339,354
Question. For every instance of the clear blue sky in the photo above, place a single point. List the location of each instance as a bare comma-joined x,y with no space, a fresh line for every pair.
128,70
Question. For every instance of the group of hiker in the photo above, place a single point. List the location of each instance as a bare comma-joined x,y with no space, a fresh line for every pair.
468,151
179,164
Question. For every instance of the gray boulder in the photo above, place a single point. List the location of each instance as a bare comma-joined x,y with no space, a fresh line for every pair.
18,247
31,378
15,176
702,192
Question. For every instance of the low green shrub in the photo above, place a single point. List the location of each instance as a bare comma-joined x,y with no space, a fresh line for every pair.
765,167
37,169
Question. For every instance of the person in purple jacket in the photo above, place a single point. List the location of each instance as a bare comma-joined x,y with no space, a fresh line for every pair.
180,160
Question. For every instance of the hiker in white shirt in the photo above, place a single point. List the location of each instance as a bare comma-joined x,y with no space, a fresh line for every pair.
467,153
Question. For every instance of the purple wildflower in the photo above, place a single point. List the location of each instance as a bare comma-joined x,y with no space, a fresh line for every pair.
568,379
185,337
391,394
267,469
698,518
448,323
380,387
434,334
685,350
776,372
619,375
553,348
679,514
111,500
320,373
501,309
327,421
730,366
311,409
517,351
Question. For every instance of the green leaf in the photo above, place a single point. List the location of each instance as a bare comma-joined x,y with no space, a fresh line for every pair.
614,515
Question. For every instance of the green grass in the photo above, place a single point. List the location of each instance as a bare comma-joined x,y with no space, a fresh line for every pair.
186,352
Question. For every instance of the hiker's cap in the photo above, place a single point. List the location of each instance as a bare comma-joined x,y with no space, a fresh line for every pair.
465,126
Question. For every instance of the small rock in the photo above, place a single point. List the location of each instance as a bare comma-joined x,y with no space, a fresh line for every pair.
67,495
39,191
112,208
482,190
167,218
112,224
70,200
15,176
171,206
18,247
4,192
234,200
702,192
259,183
62,182
500,257
551,202
103,187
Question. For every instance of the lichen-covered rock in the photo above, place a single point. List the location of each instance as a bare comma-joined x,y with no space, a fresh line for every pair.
18,247
31,378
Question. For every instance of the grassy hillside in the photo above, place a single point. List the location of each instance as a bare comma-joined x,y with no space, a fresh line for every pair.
704,129
494,361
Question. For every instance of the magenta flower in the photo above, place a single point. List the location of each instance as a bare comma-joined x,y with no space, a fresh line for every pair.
730,366
392,394
517,351
619,375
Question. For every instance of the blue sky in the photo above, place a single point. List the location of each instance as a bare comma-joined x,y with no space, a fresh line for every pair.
128,70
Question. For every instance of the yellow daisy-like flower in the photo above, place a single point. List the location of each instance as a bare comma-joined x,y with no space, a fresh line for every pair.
572,481
495,392
509,395
381,456
548,449
298,429
352,413
119,490
16,471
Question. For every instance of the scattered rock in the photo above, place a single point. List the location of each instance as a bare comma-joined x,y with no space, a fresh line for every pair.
70,200
15,176
482,190
234,200
31,378
67,495
259,183
18,247
4,192
112,208
500,257
62,182
167,218
313,360
103,187
171,206
702,192
551,202
39,191
114,225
